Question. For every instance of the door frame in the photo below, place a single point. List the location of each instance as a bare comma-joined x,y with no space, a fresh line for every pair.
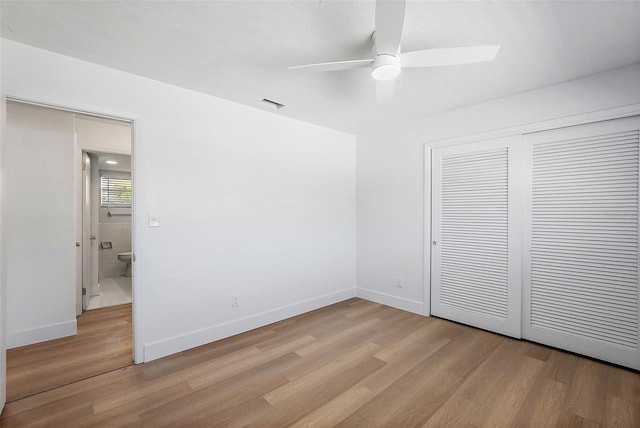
79,182
134,120
89,234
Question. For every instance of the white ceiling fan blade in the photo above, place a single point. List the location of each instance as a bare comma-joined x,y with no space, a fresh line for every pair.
384,91
334,66
448,56
389,22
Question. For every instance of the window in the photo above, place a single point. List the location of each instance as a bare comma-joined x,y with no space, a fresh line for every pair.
115,192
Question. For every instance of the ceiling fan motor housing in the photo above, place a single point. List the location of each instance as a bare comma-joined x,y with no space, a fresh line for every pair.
385,67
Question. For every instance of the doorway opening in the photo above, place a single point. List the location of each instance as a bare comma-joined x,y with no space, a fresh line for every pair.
106,230
68,181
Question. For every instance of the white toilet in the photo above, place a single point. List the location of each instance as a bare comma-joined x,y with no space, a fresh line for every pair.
126,258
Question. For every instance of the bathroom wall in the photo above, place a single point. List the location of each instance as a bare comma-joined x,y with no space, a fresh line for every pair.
103,212
117,230
120,236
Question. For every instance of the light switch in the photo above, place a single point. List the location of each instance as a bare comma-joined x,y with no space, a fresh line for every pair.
154,220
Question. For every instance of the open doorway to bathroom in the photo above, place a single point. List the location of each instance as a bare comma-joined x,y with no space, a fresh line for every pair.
57,219
106,260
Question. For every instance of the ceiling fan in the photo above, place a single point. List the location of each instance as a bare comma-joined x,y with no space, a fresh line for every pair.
389,61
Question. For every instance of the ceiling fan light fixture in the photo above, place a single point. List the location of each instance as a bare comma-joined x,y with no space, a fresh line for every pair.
389,60
385,67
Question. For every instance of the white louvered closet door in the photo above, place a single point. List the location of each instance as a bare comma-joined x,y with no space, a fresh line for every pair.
581,240
475,262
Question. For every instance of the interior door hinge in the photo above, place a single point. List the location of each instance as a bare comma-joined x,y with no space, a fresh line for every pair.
84,291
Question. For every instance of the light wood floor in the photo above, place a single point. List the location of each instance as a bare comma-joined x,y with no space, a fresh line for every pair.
103,343
352,364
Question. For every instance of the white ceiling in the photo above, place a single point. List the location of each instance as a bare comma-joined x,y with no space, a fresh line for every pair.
124,162
240,50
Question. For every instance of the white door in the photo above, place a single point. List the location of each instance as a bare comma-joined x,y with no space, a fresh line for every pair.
40,257
78,164
581,240
88,238
476,221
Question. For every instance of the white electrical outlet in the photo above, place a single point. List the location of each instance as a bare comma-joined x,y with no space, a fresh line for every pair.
399,281
235,301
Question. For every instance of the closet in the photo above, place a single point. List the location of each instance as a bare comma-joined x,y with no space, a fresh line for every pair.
536,236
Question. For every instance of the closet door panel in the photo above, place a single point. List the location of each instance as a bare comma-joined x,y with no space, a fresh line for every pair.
581,240
475,267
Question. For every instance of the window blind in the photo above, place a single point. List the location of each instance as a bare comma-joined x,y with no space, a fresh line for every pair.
115,192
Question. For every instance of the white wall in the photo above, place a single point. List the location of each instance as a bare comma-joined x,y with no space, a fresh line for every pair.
253,204
115,229
40,230
100,135
390,174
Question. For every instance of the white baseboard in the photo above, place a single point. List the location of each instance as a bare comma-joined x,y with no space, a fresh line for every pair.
414,306
41,334
162,348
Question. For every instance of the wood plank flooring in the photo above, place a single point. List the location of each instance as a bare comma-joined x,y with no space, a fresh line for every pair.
103,343
352,364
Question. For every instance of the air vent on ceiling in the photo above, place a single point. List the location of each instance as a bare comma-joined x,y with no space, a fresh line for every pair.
272,104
